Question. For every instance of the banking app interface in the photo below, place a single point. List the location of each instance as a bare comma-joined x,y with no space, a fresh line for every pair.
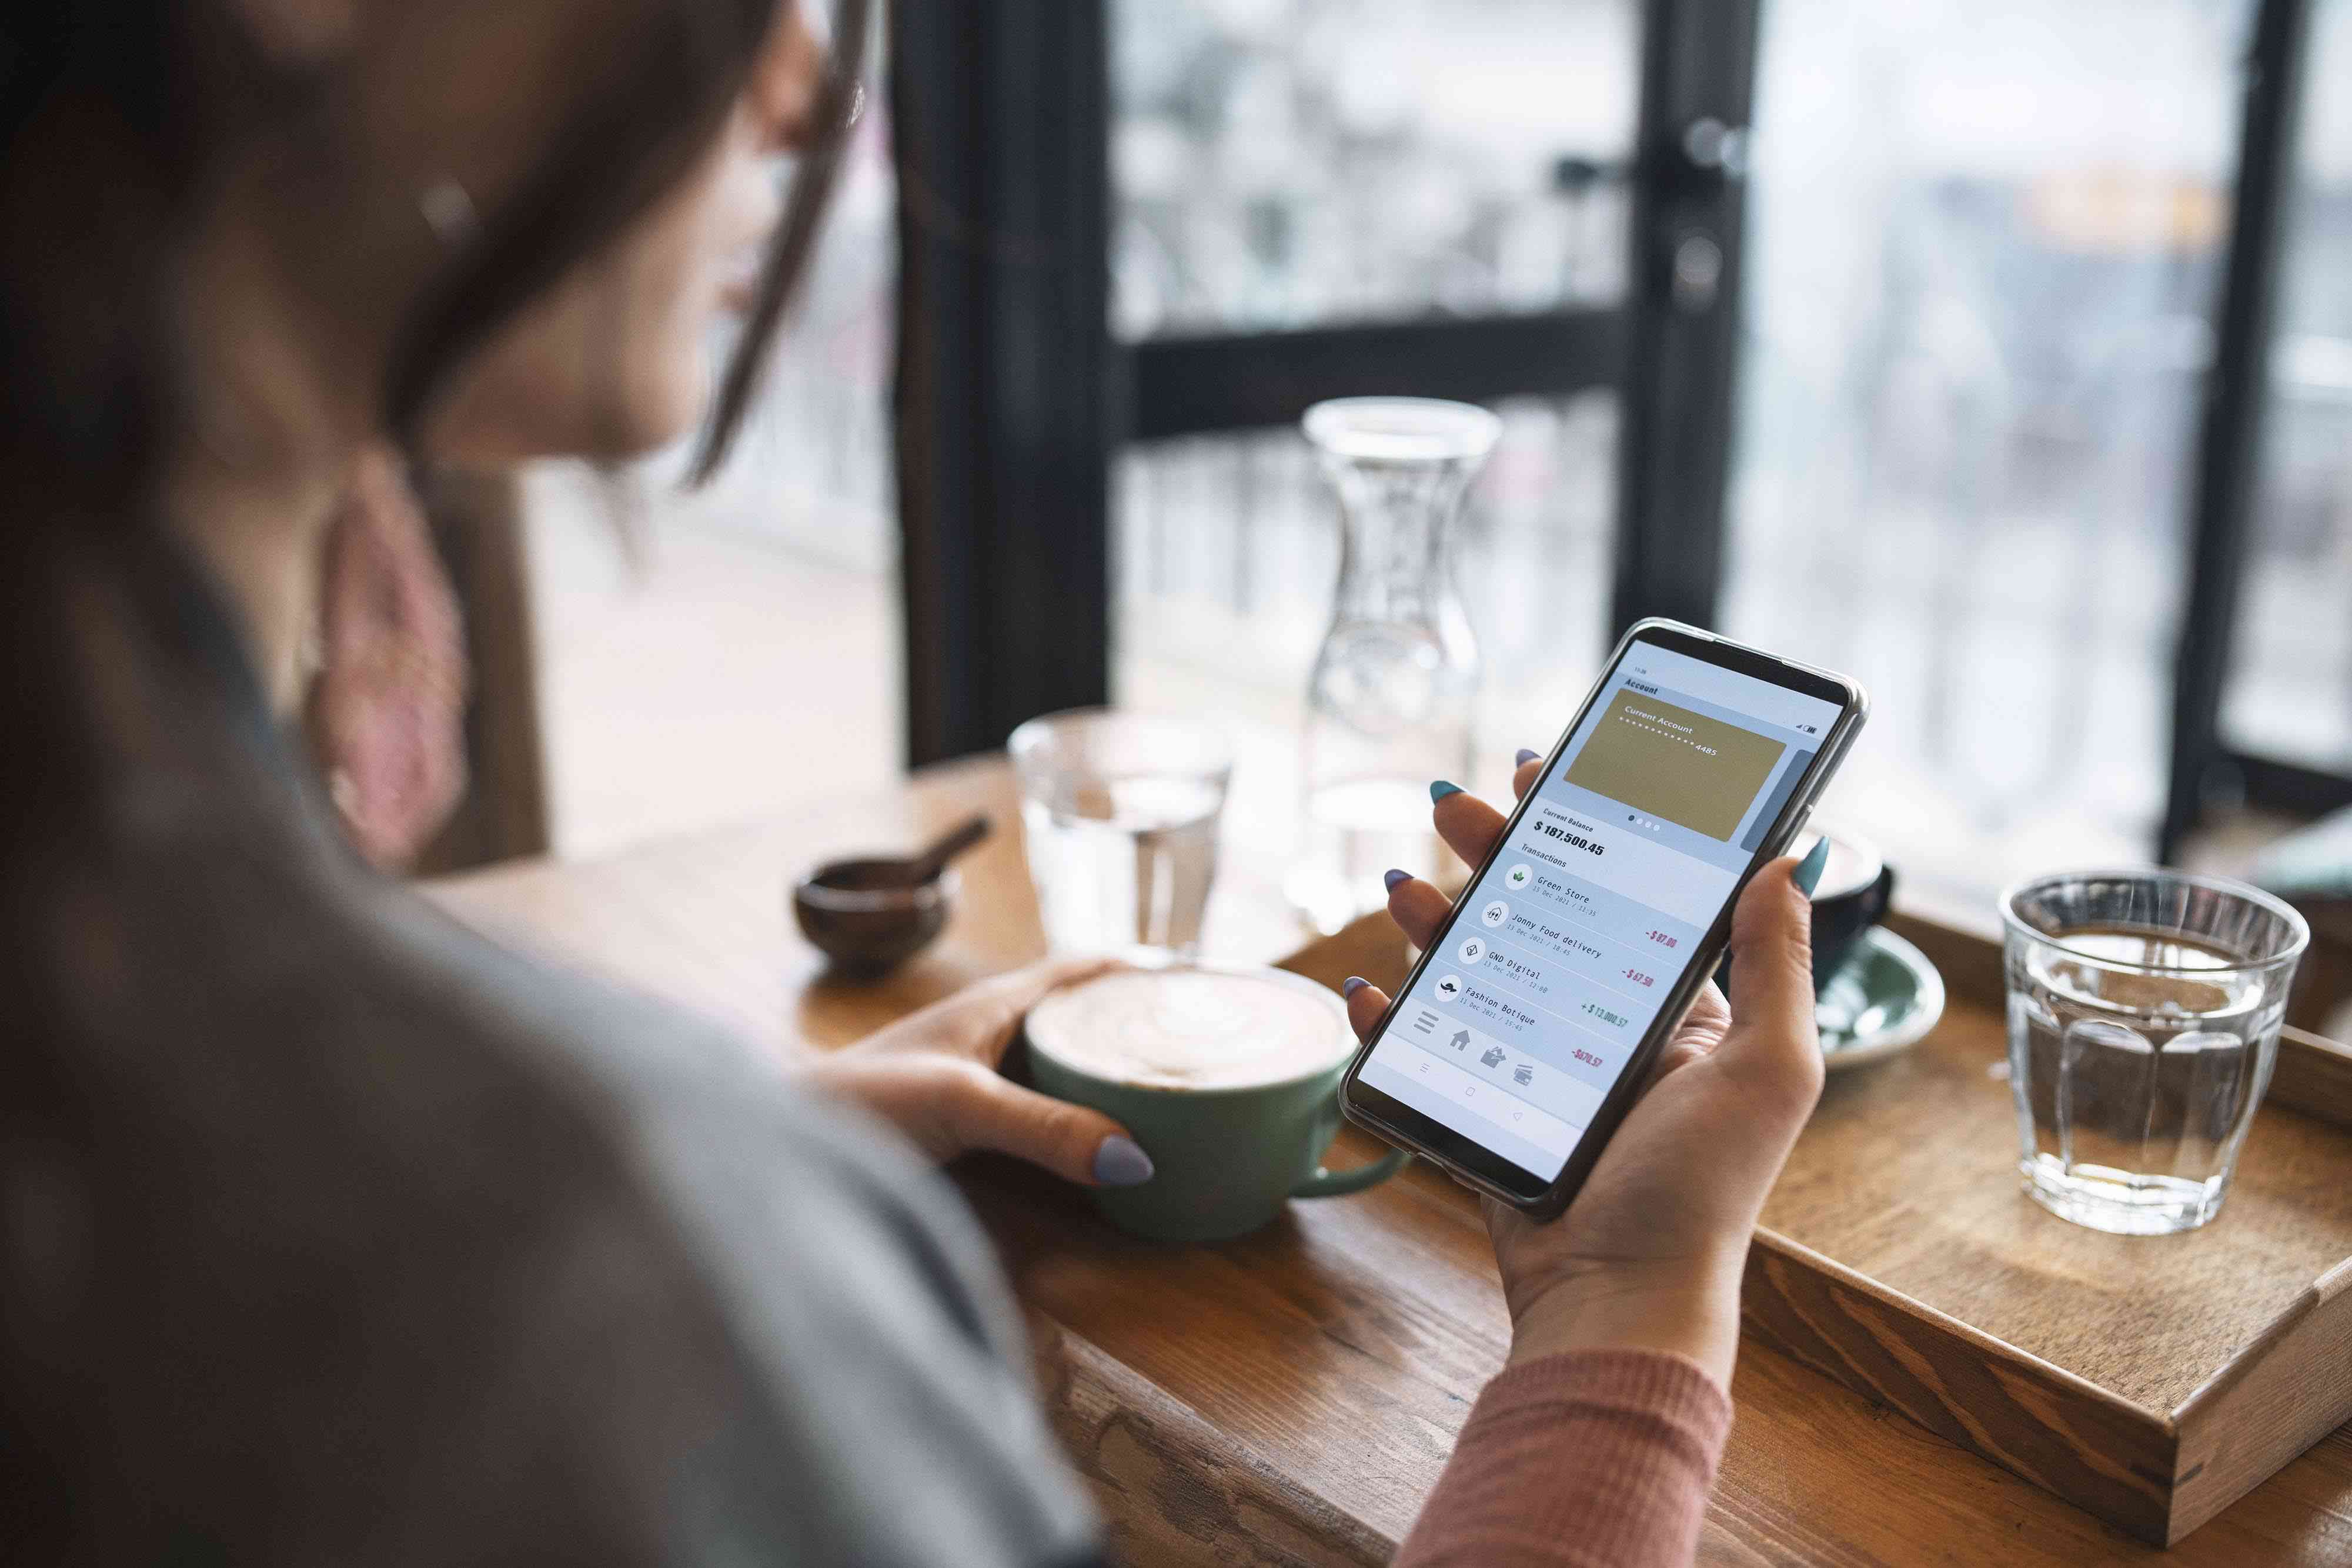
1570,943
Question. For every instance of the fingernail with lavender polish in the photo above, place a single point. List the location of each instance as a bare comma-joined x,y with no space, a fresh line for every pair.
1121,1162
1526,757
1393,877
1440,789
1808,875
1352,984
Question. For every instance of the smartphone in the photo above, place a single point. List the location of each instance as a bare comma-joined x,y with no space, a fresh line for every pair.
1524,1034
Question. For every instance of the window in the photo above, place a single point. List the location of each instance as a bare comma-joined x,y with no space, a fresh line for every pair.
1982,270
1984,247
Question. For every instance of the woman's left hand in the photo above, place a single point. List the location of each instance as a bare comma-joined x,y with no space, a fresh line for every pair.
933,1075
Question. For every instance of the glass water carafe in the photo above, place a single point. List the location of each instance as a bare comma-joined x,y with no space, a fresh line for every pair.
1390,705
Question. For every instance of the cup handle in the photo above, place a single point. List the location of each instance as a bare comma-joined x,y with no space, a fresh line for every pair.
1327,1183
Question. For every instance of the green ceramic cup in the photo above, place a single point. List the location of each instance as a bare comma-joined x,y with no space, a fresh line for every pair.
1224,1160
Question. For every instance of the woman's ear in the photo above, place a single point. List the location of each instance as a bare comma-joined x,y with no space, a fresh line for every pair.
784,85
298,32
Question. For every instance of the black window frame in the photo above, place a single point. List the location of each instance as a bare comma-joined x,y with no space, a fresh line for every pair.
2205,772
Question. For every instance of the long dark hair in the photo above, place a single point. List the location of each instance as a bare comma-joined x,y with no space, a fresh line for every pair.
110,112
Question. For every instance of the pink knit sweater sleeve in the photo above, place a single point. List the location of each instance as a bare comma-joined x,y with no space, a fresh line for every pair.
1591,1457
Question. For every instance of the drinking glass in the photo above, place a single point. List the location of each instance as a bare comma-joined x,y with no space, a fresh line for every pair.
1120,813
2143,1012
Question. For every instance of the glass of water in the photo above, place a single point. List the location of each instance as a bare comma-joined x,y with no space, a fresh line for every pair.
2143,1012
1120,813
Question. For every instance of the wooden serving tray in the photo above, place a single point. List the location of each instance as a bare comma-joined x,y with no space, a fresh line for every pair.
2151,1380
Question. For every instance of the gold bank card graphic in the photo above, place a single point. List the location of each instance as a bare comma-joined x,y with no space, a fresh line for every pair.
1675,764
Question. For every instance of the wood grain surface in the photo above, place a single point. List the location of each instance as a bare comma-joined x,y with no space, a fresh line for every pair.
1174,1490
2313,1076
1291,1396
2079,1349
1908,1175
2056,1429
2278,1396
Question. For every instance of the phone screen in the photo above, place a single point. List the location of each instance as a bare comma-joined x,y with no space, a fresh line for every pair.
1575,934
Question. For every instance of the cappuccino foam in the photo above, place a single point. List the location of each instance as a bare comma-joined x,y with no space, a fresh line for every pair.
1192,1029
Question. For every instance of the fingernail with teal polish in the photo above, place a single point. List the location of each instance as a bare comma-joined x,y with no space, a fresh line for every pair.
1808,873
1391,878
1121,1162
1526,757
1439,789
1352,984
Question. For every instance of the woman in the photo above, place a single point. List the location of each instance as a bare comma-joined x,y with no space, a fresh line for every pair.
328,1230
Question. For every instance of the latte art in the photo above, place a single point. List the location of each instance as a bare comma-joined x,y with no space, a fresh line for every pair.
1192,1029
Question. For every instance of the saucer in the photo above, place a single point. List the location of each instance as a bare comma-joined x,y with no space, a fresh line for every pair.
1882,1000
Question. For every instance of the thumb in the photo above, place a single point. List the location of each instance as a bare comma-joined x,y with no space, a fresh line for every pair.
1772,1041
1075,1143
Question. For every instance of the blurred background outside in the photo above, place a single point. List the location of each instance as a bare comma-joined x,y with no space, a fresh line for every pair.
1983,251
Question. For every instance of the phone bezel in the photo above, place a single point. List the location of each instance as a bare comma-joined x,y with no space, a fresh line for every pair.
1465,1157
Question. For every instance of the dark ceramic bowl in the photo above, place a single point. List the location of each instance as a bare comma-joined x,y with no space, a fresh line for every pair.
864,916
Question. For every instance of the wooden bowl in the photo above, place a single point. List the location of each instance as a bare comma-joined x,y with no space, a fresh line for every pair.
867,918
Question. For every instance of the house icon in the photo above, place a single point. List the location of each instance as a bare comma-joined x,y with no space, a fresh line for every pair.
1462,1041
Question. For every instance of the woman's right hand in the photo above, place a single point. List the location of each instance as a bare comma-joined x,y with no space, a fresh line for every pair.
1650,1254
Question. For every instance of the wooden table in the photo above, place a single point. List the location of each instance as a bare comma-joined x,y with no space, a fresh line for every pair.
1290,1397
